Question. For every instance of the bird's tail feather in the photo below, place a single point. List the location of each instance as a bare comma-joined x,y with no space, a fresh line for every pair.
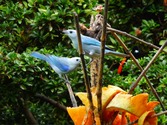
39,56
116,54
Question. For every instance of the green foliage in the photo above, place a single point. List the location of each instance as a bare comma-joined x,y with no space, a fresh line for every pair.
27,77
28,26
36,25
148,16
148,28
156,74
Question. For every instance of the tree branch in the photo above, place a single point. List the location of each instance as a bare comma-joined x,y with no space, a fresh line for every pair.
141,69
133,37
156,115
133,86
87,83
70,91
160,113
51,101
30,118
103,41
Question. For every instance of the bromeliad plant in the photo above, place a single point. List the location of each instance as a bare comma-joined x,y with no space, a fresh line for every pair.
118,108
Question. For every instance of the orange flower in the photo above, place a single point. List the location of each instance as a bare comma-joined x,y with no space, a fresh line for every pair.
82,115
131,104
147,119
118,108
108,93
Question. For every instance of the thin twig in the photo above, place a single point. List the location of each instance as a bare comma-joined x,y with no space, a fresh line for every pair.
155,115
28,114
87,82
138,65
158,114
103,41
133,86
70,91
135,38
51,101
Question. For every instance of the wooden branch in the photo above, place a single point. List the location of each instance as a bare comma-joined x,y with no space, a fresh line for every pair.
133,86
30,118
70,91
87,83
51,101
99,85
160,113
95,31
156,115
133,37
141,69
94,69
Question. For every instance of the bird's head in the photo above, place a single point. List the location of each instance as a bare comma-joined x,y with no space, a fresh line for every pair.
76,60
71,33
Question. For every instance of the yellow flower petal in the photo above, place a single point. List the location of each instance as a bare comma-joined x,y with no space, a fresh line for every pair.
82,116
83,98
136,105
107,94
79,115
146,119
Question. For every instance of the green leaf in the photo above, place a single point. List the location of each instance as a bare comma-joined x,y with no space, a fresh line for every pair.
42,10
23,87
161,43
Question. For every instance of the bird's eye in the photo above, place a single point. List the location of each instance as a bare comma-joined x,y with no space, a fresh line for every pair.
77,60
70,31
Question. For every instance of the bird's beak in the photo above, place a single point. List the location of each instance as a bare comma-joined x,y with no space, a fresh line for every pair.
65,31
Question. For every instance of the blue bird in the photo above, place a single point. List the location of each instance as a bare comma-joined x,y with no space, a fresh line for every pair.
91,46
61,65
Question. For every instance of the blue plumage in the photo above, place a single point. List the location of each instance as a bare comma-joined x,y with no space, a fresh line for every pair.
61,65
90,45
58,62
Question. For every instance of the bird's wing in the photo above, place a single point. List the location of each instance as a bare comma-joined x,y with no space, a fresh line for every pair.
91,41
59,62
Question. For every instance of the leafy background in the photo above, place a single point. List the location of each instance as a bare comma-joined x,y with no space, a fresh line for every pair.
36,25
